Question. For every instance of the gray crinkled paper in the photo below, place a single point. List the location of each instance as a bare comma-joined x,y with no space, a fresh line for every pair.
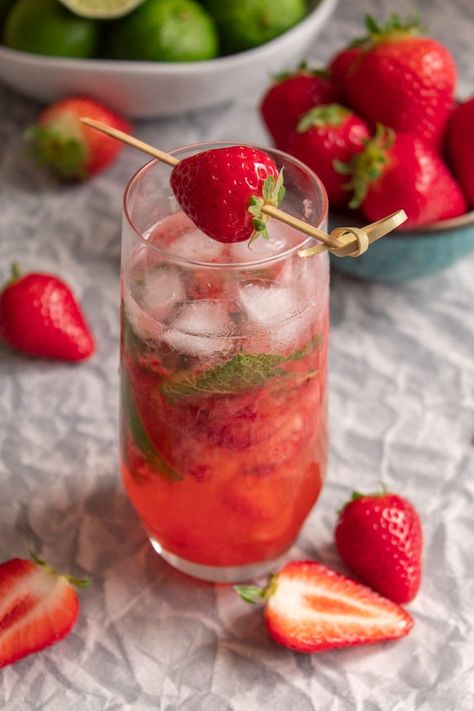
401,411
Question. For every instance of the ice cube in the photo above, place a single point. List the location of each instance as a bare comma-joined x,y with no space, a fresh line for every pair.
268,305
281,238
201,328
260,249
277,309
143,325
162,289
196,246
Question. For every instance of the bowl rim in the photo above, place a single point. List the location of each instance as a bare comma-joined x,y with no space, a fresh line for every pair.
463,220
149,67
434,229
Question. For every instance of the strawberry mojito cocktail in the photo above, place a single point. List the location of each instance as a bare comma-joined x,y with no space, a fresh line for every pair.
223,359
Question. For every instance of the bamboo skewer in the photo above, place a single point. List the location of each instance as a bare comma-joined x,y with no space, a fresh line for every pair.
342,241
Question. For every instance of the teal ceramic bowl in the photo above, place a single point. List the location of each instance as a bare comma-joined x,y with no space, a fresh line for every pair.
402,256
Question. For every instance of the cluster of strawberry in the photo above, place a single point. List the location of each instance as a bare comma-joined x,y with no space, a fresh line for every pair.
39,315
308,607
311,608
380,126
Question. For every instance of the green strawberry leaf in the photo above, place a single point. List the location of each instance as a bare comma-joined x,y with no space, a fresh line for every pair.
251,594
66,154
256,595
258,224
140,438
268,187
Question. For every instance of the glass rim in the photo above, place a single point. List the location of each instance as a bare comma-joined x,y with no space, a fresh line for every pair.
306,241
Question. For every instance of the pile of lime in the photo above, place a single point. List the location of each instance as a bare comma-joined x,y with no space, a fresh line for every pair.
146,30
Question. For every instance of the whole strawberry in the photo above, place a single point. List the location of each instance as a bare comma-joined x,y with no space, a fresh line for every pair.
39,316
402,79
401,171
38,607
224,189
379,537
290,97
460,146
339,68
75,151
310,608
324,134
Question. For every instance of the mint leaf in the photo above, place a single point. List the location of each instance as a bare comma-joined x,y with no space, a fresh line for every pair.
140,438
243,371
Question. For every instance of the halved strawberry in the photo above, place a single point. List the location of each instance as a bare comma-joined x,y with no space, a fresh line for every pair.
310,608
38,607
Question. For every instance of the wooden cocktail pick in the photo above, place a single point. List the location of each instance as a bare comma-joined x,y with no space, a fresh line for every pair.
342,241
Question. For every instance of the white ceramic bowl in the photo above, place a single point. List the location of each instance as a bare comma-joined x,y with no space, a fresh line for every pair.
149,89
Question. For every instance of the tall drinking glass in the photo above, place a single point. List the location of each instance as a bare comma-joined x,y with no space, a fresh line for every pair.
223,378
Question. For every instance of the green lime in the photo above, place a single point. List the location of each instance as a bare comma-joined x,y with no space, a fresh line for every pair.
244,24
101,9
46,27
164,31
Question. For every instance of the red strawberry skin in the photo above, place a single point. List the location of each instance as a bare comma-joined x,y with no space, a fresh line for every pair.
39,316
380,539
460,146
336,134
340,66
37,609
314,609
412,175
406,83
288,99
214,189
75,151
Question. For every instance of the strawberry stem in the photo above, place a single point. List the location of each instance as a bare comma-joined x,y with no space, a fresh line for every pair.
394,28
374,495
255,595
321,116
368,165
78,582
15,271
15,274
273,192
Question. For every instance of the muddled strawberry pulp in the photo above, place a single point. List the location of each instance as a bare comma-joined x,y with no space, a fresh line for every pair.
223,394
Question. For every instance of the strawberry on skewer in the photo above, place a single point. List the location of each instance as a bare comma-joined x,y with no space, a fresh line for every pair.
223,191
38,607
310,608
